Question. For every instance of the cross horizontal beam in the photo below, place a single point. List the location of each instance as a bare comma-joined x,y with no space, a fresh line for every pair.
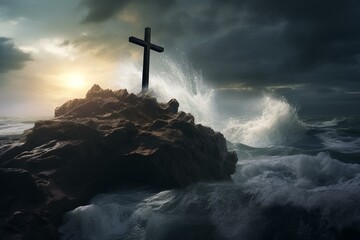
147,47
146,44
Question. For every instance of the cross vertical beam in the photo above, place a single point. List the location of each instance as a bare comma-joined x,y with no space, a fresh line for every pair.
146,43
146,62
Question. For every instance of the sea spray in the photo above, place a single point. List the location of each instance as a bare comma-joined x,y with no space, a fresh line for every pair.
277,124
276,121
173,80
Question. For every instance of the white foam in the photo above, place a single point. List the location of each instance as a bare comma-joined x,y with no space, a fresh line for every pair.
317,184
95,221
331,123
344,144
173,80
15,126
306,181
311,183
277,124
106,217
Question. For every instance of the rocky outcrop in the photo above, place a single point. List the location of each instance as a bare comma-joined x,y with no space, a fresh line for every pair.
106,140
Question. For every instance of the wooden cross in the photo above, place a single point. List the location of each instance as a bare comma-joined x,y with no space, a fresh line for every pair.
147,46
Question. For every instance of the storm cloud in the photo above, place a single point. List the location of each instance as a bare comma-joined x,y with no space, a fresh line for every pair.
100,11
301,37
255,42
307,51
11,58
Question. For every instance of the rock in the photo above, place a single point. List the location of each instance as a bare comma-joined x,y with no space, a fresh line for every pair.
97,92
18,183
68,105
173,106
28,224
105,140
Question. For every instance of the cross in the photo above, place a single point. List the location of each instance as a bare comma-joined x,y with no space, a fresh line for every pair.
147,46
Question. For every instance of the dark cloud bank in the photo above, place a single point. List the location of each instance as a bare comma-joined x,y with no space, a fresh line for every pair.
11,58
260,43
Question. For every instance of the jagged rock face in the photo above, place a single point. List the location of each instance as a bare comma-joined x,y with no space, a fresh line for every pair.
109,139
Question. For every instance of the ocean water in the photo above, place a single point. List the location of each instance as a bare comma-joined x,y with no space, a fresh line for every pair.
298,177
303,186
10,126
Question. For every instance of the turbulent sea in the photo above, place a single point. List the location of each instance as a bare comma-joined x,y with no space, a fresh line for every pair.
298,177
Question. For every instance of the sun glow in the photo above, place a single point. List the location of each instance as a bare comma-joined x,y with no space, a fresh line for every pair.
75,80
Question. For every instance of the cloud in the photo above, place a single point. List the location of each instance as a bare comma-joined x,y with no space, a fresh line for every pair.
257,44
105,46
252,41
11,58
262,43
100,11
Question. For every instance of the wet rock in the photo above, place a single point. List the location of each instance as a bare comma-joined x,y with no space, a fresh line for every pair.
18,183
103,141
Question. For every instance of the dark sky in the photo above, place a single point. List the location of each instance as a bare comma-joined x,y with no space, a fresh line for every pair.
306,51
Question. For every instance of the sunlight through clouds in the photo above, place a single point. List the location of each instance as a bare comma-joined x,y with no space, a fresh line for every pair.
55,47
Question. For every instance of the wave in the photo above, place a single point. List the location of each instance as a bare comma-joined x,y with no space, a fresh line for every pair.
288,197
312,196
15,126
340,142
278,124
325,124
108,217
174,80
